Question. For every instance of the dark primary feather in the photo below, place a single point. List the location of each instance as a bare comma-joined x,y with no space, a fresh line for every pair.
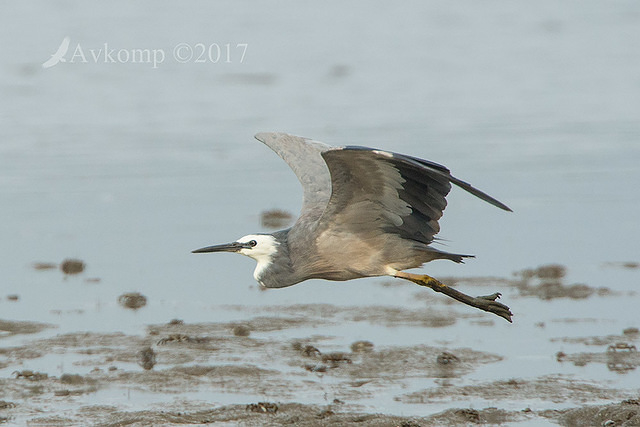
462,184
385,192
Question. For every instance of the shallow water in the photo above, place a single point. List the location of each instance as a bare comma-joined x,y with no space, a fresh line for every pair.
129,168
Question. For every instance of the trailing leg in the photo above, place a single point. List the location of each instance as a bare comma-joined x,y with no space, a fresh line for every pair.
486,303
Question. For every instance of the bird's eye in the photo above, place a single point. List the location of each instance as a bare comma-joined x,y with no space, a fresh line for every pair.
252,243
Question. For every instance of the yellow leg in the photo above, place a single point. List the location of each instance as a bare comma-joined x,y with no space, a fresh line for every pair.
486,303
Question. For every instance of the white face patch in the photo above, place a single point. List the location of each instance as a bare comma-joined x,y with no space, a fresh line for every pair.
262,252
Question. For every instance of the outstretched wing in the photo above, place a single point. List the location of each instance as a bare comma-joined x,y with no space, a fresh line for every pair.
379,190
359,189
304,157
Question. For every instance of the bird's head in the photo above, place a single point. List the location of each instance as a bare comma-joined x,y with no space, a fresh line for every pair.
260,247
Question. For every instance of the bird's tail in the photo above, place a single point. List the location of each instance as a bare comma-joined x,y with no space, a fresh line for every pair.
438,254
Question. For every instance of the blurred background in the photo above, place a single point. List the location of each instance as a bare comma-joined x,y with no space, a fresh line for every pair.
129,165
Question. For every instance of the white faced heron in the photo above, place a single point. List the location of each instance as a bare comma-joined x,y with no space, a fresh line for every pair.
365,213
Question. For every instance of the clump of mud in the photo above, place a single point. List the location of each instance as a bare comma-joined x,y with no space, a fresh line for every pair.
263,407
362,347
275,218
546,282
631,265
44,266
549,271
72,266
132,300
446,358
30,375
69,267
241,331
147,358
181,338
73,379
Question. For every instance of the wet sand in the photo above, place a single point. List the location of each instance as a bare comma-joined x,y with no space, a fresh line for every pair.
308,380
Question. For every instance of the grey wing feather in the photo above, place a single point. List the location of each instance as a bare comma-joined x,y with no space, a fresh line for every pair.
303,156
378,190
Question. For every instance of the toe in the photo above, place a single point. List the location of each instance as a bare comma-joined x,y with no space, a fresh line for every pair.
491,297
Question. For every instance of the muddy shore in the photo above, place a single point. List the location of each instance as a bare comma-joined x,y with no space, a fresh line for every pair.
268,374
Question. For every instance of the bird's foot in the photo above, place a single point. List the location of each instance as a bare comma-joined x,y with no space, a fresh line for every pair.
487,303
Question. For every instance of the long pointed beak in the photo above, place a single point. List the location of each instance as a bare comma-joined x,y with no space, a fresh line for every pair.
227,247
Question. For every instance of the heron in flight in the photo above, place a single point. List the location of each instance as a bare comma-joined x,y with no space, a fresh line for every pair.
365,213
